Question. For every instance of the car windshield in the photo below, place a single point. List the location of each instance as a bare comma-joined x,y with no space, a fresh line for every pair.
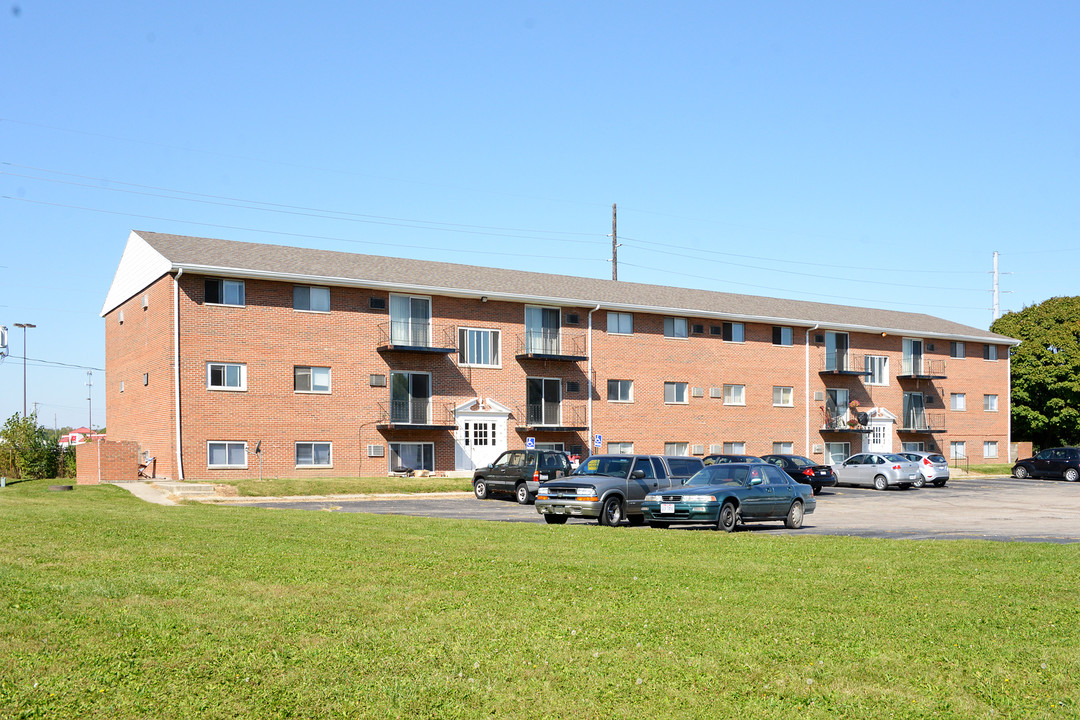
723,474
895,458
684,467
799,461
612,466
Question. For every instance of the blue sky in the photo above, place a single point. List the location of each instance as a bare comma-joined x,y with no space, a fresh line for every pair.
859,153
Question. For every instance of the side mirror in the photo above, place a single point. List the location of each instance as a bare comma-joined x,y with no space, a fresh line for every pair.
638,474
755,481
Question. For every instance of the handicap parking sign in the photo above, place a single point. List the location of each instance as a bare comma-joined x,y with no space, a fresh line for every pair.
597,440
530,443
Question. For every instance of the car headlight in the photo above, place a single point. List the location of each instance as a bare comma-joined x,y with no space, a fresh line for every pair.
586,491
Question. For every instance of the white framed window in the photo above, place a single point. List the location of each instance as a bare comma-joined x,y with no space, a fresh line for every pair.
226,376
675,327
837,452
956,349
734,332
620,323
410,397
877,367
783,448
783,396
957,449
990,449
410,320
226,454
311,379
620,448
676,448
958,401
782,335
675,392
543,401
913,356
223,292
310,298
415,455
913,446
734,394
314,454
990,403
620,390
542,327
478,347
734,448
836,351
990,352
557,447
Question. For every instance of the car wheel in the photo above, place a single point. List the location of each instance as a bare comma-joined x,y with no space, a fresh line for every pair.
480,488
921,482
1072,475
1020,472
939,483
729,518
521,494
816,489
794,518
555,519
659,524
880,483
611,513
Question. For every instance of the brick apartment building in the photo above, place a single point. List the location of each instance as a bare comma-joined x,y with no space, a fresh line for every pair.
335,363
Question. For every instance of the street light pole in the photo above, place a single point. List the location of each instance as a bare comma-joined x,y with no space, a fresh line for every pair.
24,326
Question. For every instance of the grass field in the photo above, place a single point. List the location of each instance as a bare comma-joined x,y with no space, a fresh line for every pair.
283,487
113,608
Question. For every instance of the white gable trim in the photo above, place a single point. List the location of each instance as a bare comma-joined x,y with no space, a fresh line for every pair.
139,266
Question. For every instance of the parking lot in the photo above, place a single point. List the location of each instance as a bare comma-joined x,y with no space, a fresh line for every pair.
1006,509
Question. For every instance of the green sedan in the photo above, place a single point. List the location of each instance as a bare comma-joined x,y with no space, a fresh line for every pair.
729,494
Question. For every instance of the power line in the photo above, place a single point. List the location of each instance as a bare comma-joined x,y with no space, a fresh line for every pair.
46,363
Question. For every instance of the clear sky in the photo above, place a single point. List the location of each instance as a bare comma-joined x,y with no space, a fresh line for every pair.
860,153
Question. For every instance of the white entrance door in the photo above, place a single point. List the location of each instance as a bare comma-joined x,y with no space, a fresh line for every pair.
880,438
481,434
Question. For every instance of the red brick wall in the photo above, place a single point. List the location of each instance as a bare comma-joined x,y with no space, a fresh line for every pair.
106,461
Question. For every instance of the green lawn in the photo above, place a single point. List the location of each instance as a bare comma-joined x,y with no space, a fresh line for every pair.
996,469
280,487
113,608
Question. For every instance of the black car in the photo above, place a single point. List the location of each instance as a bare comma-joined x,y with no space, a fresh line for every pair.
1063,462
520,472
804,470
720,459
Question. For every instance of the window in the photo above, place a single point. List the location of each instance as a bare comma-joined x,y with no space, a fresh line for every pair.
311,379
837,453
836,407
410,320
783,396
914,412
620,390
417,456
877,368
958,401
913,446
410,398
675,392
990,449
734,448
675,327
620,448
783,336
734,394
913,356
957,449
311,299
223,292
990,403
226,376
783,448
226,454
478,347
734,332
676,448
543,401
989,352
313,454
956,349
620,323
542,330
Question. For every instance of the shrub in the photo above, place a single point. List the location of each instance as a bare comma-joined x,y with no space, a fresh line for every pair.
27,450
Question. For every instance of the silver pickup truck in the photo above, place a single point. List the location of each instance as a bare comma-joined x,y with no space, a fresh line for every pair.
611,487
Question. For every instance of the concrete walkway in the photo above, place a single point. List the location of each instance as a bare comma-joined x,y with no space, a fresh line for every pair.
147,492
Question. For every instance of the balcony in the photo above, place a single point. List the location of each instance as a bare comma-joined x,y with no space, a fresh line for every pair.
551,417
923,423
549,345
416,337
844,363
845,423
415,414
913,369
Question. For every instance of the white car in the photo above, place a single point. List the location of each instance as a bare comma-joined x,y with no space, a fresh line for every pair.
878,470
933,467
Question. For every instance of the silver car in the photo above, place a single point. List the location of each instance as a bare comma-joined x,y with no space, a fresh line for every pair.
878,470
933,467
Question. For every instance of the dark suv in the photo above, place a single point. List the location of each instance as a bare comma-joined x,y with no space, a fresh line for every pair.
1052,462
520,472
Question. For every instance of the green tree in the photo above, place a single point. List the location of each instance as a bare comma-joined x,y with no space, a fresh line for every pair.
26,451
1045,371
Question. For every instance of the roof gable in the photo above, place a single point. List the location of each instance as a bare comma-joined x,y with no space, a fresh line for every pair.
139,266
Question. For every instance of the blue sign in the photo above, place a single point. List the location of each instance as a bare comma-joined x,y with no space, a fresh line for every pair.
598,440
530,443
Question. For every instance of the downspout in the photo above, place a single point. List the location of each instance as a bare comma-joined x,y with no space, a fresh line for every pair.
1008,409
589,440
176,369
806,380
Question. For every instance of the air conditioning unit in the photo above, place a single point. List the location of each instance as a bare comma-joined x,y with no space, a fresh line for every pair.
377,380
819,449
716,392
716,449
697,392
819,396
573,386
376,451
698,329
697,450
572,319
930,347
377,303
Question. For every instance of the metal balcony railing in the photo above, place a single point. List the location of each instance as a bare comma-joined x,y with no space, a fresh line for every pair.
541,415
922,422
552,344
844,363
416,412
419,336
927,368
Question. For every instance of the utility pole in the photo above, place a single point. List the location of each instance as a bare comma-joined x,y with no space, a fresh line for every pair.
997,310
614,245
24,326
89,399
35,404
